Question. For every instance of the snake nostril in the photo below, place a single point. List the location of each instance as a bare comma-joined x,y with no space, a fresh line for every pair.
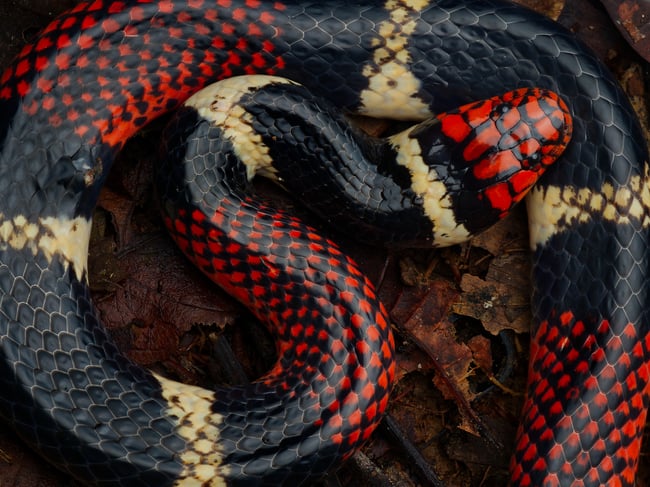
500,110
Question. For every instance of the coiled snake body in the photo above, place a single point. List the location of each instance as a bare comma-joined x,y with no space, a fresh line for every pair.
103,70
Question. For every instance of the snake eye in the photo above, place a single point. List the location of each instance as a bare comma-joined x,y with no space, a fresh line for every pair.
532,160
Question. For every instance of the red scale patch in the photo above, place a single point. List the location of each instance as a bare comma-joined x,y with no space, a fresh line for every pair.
357,319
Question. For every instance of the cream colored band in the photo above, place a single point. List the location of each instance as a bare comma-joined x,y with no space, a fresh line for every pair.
553,209
218,103
198,425
425,182
67,238
392,87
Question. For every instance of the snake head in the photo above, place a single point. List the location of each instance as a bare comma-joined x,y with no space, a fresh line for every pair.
507,142
480,159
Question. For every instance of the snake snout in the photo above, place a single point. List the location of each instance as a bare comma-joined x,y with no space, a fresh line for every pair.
539,128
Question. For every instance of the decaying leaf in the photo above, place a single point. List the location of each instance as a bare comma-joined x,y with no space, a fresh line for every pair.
632,17
501,300
159,299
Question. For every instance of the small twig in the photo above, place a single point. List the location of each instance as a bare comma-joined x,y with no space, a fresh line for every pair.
424,470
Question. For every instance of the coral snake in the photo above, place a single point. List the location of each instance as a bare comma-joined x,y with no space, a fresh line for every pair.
103,70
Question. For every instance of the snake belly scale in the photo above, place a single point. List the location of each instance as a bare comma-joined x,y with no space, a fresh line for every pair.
104,69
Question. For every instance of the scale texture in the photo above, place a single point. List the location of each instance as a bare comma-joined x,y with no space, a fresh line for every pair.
102,71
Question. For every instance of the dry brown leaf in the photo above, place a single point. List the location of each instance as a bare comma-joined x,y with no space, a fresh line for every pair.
481,352
632,18
428,326
158,299
502,300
